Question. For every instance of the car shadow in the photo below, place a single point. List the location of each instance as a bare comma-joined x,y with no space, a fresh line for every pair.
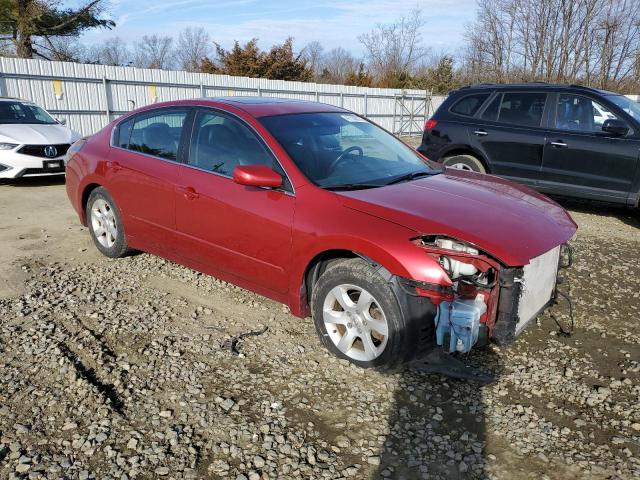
438,428
627,215
44,181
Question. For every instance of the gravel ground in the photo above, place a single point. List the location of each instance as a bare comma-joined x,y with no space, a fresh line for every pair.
113,369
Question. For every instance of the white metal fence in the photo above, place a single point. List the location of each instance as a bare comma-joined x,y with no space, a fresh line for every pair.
90,96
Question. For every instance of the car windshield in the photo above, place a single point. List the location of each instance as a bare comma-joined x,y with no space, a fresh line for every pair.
343,150
626,104
19,112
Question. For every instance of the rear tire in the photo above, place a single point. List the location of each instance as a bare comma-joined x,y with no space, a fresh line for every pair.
465,162
105,224
357,316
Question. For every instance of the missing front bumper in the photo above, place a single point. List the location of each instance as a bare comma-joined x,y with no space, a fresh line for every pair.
524,294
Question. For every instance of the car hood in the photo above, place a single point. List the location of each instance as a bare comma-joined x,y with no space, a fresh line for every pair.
35,134
511,222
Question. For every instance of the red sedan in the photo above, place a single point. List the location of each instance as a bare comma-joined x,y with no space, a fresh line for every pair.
318,208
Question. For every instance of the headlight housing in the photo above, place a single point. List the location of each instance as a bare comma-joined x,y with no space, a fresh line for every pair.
458,260
8,146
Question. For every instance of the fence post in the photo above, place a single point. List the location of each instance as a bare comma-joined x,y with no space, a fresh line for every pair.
401,113
366,97
395,105
3,86
341,100
427,105
259,91
317,95
107,109
202,95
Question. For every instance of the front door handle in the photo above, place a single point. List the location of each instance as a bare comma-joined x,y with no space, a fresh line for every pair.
558,144
481,133
189,193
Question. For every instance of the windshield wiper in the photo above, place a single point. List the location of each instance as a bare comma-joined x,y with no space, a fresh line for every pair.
411,176
352,186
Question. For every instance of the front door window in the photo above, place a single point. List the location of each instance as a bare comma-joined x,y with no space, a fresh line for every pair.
580,114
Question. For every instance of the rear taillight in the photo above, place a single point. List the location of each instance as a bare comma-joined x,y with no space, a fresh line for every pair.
430,124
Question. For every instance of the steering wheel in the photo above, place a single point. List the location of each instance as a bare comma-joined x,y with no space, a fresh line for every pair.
342,156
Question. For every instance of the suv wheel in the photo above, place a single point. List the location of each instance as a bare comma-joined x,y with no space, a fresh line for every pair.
465,162
357,316
105,224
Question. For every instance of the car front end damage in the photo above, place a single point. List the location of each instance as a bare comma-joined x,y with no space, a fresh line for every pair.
486,299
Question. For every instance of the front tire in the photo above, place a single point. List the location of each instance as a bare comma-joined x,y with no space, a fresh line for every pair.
105,224
465,162
357,316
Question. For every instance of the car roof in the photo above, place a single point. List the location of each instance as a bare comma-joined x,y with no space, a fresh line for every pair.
268,106
532,86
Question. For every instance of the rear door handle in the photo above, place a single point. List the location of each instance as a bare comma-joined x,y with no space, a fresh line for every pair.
558,144
481,133
115,166
189,193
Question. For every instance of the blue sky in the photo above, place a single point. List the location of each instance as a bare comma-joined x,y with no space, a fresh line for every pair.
333,22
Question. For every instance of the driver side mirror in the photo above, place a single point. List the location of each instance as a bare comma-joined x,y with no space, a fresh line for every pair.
615,127
61,121
256,176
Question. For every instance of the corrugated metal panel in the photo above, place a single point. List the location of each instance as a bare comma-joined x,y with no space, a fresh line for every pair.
93,95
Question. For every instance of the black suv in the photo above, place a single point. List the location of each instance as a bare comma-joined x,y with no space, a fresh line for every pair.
560,139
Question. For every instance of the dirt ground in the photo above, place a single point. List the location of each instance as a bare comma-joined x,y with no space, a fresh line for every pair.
113,369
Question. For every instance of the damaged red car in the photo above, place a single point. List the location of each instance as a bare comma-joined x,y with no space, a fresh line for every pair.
316,207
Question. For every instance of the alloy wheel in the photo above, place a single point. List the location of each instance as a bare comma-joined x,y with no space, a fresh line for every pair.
103,223
355,322
461,166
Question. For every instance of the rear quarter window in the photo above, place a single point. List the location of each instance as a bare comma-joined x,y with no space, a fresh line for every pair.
123,133
469,105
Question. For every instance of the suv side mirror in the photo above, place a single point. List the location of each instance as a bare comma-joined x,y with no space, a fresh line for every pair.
256,176
615,127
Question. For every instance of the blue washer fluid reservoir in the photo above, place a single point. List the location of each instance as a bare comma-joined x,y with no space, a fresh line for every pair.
461,320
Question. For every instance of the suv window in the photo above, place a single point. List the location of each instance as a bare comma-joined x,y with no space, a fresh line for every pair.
219,143
522,108
581,114
156,134
469,105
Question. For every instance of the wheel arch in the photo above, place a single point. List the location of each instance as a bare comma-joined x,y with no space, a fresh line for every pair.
86,192
410,262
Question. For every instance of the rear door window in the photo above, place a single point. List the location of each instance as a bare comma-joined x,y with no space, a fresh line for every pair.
158,134
469,105
522,108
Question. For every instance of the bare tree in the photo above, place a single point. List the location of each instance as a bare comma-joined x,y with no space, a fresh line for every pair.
64,50
154,51
596,42
313,53
393,51
113,51
337,65
194,45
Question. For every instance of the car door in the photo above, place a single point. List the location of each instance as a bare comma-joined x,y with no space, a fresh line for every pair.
510,134
243,231
580,159
142,171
